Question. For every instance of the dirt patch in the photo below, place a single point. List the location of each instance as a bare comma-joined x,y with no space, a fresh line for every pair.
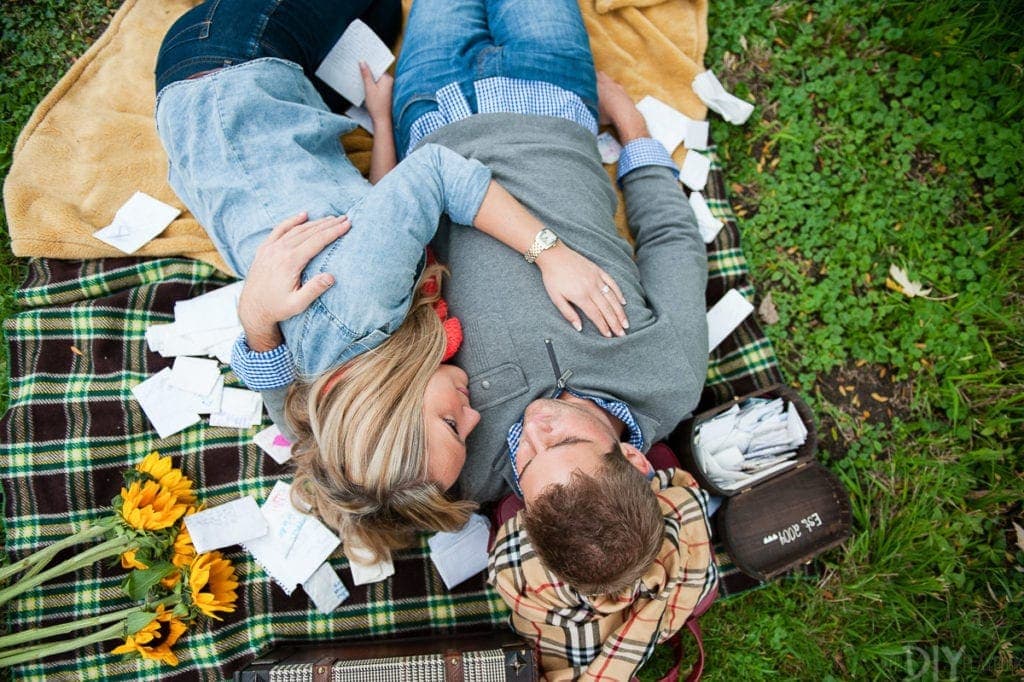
865,393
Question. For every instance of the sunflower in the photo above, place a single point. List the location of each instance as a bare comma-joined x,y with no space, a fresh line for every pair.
128,560
150,506
156,639
212,581
183,554
160,469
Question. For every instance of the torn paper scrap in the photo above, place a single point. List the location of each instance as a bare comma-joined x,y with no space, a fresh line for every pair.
694,173
363,571
460,555
239,409
195,375
609,148
665,124
709,225
325,588
361,116
272,442
155,396
340,68
726,315
731,108
137,222
295,543
226,524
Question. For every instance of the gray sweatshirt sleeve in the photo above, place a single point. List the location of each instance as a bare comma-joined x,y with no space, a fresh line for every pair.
670,253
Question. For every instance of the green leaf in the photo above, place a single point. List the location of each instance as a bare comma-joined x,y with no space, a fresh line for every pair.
139,583
136,621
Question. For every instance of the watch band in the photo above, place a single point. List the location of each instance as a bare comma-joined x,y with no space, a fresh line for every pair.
544,240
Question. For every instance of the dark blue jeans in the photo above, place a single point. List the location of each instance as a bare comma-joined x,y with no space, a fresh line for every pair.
220,33
462,41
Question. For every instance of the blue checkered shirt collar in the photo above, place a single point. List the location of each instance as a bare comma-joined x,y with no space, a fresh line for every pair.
616,408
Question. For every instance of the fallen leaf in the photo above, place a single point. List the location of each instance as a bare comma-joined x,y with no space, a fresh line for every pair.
1020,535
76,351
879,398
899,281
767,310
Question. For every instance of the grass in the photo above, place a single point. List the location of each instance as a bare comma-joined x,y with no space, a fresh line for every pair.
886,133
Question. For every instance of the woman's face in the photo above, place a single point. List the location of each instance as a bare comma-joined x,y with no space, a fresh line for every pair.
449,420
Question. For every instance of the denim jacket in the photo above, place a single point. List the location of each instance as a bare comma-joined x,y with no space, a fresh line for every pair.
253,144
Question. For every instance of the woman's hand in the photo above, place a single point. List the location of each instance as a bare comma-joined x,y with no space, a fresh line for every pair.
273,290
378,95
571,279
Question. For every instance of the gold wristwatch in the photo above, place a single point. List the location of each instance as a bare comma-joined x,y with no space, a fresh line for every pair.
544,240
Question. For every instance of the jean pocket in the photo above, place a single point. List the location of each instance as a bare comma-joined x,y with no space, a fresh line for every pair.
190,27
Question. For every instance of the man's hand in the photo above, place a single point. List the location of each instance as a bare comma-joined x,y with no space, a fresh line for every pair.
378,95
273,290
616,107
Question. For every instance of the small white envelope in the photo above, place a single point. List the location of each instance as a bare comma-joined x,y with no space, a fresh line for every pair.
696,167
325,588
227,524
195,375
460,555
137,222
273,442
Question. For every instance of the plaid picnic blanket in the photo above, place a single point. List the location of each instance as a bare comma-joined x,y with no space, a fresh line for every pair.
72,428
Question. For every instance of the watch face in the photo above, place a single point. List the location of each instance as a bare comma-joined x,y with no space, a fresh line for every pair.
546,238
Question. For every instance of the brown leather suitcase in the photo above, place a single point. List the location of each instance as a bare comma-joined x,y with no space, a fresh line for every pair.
783,520
487,657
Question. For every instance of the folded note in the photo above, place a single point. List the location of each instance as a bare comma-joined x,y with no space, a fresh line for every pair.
325,588
726,315
340,68
167,415
226,524
195,375
361,116
137,222
364,569
665,124
709,225
295,543
239,409
731,108
609,148
694,173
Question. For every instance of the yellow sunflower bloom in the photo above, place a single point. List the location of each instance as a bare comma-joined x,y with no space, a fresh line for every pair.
212,581
150,506
156,639
184,553
128,560
170,478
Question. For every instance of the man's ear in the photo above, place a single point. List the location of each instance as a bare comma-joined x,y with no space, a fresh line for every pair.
637,458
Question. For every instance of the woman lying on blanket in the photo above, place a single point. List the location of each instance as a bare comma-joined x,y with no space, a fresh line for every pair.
252,143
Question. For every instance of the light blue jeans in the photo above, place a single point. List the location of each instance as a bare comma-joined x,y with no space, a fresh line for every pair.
462,41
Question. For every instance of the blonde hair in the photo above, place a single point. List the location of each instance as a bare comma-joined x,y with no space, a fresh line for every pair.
361,453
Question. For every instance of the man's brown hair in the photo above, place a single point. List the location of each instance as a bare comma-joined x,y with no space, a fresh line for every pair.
598,533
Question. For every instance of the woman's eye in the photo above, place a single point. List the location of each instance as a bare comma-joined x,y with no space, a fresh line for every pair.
454,426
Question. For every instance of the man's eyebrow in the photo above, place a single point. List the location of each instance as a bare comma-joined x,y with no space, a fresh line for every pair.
570,441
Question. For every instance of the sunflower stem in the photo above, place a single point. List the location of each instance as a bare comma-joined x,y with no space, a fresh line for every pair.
38,560
37,634
8,659
104,550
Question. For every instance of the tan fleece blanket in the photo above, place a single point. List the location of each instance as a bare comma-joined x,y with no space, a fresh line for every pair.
91,143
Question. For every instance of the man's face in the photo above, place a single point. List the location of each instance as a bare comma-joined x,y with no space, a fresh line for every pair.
559,437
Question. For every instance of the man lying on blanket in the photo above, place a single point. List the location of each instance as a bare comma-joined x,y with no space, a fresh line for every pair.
608,557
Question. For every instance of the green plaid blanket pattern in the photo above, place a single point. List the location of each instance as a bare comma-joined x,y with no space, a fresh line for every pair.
72,428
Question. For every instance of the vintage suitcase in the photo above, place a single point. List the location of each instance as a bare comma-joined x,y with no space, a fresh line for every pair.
781,521
485,657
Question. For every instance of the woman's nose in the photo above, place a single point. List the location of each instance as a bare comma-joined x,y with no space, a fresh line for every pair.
472,418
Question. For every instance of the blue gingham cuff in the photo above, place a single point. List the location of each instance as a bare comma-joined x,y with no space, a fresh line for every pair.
262,371
643,151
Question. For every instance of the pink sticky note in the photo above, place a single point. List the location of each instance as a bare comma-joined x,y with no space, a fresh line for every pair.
282,441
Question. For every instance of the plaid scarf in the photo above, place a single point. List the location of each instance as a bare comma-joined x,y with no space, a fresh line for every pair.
608,637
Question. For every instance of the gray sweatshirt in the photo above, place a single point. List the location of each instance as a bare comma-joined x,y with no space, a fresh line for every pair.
553,167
